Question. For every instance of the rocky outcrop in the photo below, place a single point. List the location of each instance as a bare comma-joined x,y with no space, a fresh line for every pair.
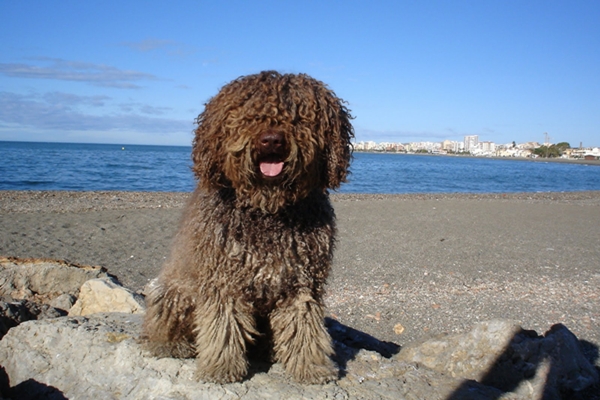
51,288
48,355
503,355
43,280
33,289
99,357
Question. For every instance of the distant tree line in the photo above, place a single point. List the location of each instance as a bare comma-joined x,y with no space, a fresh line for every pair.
552,151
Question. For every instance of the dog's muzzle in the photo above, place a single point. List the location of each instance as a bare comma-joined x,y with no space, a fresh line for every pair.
272,151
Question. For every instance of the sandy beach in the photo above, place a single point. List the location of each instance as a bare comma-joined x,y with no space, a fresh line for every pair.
407,267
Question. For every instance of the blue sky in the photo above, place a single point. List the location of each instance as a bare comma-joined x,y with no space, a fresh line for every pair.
140,71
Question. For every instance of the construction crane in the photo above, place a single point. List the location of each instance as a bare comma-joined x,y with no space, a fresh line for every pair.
547,143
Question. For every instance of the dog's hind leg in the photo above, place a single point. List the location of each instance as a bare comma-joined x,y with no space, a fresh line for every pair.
301,341
168,329
224,325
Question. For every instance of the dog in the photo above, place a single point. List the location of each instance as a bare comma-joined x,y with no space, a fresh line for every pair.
256,240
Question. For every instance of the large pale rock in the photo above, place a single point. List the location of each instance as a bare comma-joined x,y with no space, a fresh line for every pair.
501,354
99,357
464,354
42,280
106,295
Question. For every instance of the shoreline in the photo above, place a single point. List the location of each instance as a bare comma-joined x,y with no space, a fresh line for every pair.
546,160
26,201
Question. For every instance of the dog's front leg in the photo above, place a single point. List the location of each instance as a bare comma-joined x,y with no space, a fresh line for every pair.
301,341
223,326
168,325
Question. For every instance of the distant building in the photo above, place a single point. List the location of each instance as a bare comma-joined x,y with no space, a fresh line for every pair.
487,147
370,145
365,146
528,145
471,142
449,145
430,147
394,147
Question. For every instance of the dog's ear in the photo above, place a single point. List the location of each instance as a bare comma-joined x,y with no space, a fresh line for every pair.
338,150
328,120
207,150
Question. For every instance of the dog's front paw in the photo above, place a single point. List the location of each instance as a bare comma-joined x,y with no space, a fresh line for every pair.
181,349
315,374
233,371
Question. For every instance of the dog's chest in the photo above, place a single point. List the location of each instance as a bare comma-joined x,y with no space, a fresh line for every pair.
270,255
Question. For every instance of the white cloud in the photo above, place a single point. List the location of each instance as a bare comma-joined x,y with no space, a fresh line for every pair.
151,110
148,44
73,99
397,136
170,47
93,74
44,113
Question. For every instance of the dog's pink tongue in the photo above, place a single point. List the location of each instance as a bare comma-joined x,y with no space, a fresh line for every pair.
271,168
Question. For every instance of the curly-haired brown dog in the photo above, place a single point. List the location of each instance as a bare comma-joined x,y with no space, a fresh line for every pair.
256,240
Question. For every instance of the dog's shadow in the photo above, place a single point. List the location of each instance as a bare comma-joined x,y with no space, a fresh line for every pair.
347,342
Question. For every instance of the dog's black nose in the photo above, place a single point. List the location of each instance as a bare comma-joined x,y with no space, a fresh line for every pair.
272,142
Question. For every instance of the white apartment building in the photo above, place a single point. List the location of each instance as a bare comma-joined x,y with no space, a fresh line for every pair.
471,142
487,147
450,145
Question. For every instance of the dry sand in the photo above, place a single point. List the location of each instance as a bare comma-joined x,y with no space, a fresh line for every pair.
406,267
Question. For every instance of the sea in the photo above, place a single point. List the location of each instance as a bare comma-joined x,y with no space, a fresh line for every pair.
116,167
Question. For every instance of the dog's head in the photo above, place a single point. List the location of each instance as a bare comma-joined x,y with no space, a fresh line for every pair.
274,139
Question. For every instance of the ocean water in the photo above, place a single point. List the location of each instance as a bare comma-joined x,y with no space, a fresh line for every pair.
86,167
408,173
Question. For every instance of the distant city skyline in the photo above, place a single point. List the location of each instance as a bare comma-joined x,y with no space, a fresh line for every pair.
472,145
476,140
541,141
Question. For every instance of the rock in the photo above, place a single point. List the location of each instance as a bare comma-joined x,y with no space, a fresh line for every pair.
503,355
12,313
464,354
64,301
99,356
42,280
106,295
43,288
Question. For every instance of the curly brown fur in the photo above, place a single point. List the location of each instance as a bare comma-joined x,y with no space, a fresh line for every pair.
314,122
256,240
